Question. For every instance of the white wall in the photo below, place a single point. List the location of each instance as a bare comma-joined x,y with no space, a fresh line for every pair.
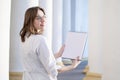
57,25
104,38
66,19
95,36
5,7
111,40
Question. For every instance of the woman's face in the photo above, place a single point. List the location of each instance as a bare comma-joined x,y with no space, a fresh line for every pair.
39,21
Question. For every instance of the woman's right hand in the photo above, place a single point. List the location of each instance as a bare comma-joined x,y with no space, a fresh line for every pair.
75,62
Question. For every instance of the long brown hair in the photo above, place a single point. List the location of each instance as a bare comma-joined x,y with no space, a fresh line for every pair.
28,27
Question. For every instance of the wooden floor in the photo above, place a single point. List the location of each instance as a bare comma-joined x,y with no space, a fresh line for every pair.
91,78
15,76
91,75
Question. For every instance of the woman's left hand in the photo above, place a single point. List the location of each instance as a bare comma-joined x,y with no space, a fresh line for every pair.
60,52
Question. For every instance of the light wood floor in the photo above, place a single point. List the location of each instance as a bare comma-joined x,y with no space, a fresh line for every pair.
91,78
91,75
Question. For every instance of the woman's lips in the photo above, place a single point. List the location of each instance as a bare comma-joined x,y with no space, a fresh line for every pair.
42,25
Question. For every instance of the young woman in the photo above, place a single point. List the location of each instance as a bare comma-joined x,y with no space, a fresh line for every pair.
39,63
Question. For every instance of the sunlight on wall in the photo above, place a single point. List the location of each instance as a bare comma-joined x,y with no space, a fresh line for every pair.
4,40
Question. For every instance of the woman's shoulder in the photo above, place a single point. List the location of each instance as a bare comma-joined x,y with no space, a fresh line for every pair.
40,37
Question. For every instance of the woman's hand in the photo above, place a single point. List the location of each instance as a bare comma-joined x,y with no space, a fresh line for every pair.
75,62
60,52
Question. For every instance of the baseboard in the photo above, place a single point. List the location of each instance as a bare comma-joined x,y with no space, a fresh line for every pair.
15,75
93,76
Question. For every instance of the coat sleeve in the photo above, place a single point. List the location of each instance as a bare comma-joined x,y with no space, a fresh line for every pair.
47,58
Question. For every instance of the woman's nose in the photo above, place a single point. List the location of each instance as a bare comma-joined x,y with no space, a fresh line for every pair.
43,20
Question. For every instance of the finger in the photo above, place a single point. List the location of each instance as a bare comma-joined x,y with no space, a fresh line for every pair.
62,49
63,46
78,57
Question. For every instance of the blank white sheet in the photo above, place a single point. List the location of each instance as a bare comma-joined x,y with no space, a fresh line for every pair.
74,45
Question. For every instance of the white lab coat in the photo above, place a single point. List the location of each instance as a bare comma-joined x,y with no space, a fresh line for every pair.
38,60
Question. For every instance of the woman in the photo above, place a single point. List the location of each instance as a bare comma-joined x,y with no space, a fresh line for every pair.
39,63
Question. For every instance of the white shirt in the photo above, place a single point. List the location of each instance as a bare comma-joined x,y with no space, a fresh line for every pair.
38,60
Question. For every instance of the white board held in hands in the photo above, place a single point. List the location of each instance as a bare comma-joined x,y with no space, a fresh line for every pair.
74,45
